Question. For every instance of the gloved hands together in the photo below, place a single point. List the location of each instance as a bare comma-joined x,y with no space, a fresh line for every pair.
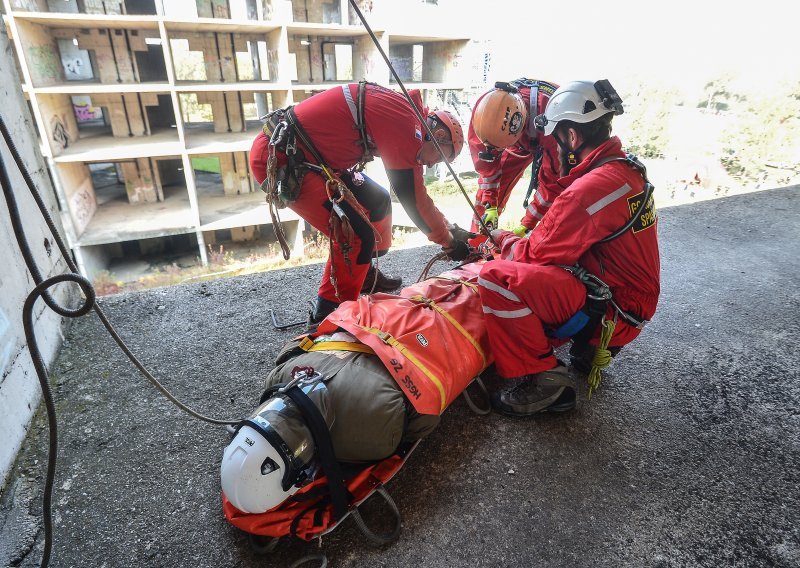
458,249
490,217
460,234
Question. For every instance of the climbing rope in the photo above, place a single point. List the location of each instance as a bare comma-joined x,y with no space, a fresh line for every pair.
602,356
42,291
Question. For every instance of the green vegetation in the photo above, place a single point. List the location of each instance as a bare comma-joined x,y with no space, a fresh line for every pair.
648,107
763,142
206,164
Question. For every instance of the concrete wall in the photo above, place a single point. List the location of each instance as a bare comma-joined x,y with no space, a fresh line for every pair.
42,55
19,389
79,193
61,126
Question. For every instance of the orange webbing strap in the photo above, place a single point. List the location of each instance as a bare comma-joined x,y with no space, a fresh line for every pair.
307,344
452,320
472,286
392,342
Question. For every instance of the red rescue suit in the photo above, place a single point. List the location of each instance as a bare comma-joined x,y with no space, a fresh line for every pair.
526,291
396,136
498,178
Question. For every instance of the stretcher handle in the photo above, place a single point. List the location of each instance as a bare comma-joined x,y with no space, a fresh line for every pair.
372,537
484,395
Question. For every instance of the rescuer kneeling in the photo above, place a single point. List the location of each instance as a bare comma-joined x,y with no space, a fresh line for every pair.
589,270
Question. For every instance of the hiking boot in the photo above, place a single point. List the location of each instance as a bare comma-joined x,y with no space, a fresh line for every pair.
322,309
548,391
384,283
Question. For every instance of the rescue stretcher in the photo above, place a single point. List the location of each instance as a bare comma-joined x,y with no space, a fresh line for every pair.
412,337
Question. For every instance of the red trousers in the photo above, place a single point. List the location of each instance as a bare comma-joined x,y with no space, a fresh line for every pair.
519,301
350,268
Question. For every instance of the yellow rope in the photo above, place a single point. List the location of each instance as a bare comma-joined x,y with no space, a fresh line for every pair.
602,357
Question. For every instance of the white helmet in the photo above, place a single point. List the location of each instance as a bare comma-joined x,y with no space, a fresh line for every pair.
581,102
253,471
272,454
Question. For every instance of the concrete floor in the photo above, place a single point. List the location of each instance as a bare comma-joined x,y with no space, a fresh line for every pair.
689,454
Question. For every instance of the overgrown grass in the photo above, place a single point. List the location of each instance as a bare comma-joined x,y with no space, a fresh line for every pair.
224,263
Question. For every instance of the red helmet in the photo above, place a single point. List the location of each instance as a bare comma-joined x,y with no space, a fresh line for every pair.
448,120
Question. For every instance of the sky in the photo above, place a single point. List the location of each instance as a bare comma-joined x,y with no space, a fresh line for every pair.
678,42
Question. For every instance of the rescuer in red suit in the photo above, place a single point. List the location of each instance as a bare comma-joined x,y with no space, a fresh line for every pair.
346,126
503,142
531,300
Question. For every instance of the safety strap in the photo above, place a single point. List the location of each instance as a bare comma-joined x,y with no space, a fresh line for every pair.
389,340
472,286
308,344
324,446
298,130
634,162
533,110
357,110
430,303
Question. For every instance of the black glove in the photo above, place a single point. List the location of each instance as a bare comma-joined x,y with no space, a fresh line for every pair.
458,251
460,234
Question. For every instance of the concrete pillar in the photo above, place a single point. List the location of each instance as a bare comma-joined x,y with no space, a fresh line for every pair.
19,390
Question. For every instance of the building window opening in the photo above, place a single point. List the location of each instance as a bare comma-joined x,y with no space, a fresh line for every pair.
337,61
189,65
91,119
207,175
195,113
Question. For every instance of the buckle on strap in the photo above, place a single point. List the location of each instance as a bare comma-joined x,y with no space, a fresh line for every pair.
629,318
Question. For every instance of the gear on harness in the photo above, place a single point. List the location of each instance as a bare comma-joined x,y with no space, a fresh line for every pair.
283,186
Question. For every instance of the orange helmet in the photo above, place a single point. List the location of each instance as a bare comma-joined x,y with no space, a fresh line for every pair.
450,122
499,119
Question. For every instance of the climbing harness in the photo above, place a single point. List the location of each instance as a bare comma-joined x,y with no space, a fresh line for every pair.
357,110
282,185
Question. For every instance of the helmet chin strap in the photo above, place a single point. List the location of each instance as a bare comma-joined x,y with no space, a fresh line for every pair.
572,155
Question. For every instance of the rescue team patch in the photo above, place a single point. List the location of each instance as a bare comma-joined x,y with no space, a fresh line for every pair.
647,218
546,88
516,122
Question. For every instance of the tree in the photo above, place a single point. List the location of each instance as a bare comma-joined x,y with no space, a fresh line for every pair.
645,123
763,140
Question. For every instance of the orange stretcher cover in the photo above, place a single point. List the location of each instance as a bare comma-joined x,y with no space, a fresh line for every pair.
431,338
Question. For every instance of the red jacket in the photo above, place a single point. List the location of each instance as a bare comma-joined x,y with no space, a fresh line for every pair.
394,132
499,177
595,203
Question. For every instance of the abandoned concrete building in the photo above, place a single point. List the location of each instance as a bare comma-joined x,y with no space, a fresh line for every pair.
146,109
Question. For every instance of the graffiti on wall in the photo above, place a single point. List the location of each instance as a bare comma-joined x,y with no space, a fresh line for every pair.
220,8
368,64
84,111
60,135
82,205
45,63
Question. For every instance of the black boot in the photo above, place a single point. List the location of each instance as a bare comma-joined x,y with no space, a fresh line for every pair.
384,283
322,308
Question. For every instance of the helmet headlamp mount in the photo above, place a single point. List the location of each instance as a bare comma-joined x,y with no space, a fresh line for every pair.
609,96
